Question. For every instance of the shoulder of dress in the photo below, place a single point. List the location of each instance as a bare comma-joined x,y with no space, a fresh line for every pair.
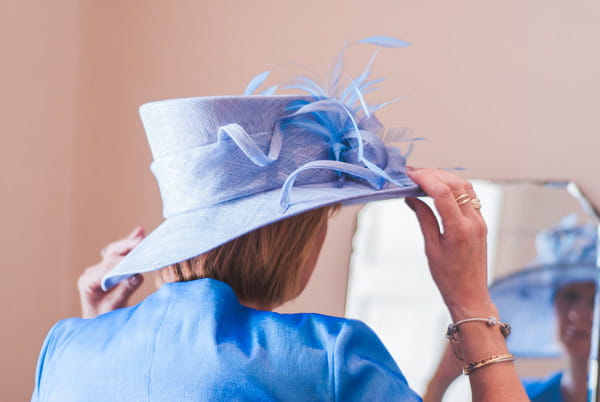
332,322
66,327
59,334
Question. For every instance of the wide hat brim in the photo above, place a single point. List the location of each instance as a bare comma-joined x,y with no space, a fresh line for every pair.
193,233
525,300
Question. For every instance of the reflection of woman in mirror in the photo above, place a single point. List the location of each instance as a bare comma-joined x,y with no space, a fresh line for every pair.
552,301
573,304
240,238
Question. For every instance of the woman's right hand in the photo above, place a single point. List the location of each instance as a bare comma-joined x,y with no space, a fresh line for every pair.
96,301
457,255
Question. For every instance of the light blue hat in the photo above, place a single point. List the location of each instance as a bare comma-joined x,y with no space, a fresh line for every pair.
228,165
566,254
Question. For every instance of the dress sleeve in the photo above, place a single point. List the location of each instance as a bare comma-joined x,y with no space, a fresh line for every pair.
364,369
543,389
56,333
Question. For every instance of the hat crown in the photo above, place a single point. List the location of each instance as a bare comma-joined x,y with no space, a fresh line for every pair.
175,125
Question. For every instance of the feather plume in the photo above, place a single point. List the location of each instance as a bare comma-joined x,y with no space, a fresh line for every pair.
306,84
367,71
359,95
336,108
256,82
336,73
349,95
384,41
269,91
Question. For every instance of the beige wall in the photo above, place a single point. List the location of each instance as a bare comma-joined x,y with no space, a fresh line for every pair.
38,82
505,89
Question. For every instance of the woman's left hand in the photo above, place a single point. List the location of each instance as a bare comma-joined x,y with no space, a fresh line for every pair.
94,300
455,246
456,251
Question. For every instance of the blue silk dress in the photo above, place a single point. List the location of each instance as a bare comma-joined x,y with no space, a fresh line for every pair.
193,341
544,389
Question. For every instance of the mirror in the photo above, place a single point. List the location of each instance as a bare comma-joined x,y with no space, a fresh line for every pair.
390,288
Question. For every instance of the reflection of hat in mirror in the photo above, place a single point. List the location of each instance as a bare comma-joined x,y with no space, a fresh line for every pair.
567,243
566,254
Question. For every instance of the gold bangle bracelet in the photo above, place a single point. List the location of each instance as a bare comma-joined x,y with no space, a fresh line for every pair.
493,359
491,321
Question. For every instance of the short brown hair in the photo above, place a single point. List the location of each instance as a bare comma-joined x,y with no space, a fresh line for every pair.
262,266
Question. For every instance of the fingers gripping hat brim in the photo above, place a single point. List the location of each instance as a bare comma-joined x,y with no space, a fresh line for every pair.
187,235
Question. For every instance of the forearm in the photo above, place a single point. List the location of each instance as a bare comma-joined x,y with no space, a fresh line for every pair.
448,369
436,388
493,382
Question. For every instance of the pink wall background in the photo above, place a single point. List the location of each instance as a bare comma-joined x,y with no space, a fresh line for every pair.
507,90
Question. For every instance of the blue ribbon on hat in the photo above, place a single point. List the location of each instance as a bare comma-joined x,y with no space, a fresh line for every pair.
347,158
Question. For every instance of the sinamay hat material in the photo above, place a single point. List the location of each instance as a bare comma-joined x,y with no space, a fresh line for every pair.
228,165
566,254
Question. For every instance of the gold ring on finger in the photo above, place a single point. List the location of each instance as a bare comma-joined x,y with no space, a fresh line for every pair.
463,199
476,203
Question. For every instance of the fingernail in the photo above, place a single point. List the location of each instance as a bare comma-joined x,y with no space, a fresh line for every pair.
411,168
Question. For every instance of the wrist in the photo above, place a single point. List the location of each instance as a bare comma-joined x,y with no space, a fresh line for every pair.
482,309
